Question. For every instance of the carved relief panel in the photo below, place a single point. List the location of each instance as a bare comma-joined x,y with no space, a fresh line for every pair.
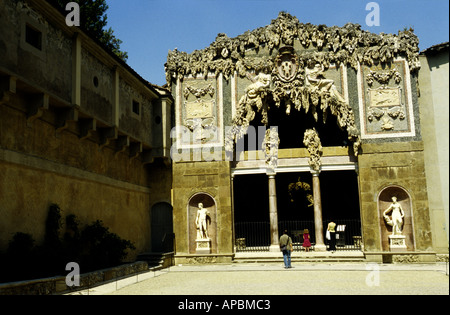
199,112
385,98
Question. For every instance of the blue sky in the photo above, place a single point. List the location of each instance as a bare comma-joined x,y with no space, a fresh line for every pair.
150,28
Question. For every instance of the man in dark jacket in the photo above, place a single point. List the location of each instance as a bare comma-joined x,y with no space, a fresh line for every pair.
286,248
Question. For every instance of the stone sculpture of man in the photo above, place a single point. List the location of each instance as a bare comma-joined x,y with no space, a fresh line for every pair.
396,220
201,222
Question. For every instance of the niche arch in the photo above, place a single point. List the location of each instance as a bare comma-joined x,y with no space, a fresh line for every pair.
209,203
404,199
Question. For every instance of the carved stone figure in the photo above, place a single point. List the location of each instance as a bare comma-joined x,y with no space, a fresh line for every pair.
261,82
312,142
201,222
315,78
396,219
254,97
270,145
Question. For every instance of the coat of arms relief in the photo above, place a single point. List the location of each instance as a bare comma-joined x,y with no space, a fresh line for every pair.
199,113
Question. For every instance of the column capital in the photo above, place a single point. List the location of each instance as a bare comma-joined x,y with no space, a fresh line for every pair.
315,172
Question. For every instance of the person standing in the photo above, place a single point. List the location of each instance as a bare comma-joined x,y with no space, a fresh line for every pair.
286,247
306,240
332,229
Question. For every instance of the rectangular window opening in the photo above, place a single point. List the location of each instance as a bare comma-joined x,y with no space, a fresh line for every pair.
33,37
136,107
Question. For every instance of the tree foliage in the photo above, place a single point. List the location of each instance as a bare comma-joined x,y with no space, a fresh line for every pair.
93,247
93,18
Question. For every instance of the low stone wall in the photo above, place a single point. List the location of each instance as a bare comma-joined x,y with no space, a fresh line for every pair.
57,285
401,257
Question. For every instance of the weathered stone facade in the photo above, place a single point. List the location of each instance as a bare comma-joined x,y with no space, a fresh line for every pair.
368,82
78,128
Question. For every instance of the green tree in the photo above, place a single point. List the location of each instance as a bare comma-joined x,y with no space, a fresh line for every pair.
93,18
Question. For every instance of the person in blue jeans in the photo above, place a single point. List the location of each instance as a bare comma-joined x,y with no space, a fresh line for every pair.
286,247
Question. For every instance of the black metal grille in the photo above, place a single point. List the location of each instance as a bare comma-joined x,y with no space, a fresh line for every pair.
255,236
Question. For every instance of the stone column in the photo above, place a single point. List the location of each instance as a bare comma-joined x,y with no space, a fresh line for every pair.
274,236
318,223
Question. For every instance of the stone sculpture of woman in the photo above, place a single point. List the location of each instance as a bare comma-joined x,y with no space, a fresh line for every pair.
396,219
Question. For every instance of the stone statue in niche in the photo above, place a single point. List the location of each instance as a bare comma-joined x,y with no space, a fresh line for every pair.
396,219
316,80
201,222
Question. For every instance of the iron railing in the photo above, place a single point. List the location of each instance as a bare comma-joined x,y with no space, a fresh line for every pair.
255,236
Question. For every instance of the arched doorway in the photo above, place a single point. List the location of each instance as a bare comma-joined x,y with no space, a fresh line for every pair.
162,228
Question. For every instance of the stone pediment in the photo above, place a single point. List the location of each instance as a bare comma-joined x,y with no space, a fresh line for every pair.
257,50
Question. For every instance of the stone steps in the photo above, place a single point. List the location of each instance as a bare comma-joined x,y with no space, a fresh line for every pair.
268,257
156,261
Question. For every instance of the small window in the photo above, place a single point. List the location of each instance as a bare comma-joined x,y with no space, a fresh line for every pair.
33,37
136,107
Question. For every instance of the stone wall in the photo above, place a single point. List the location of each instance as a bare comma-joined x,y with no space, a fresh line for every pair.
386,165
434,114
78,128
214,180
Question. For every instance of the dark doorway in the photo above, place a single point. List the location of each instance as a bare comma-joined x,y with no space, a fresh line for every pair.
294,193
251,198
162,228
339,194
340,203
340,197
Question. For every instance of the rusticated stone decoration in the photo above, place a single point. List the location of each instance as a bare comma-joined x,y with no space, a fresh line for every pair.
348,44
270,145
312,142
295,55
254,97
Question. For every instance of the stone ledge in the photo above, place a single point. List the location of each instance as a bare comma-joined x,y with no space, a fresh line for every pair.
390,147
57,285
194,259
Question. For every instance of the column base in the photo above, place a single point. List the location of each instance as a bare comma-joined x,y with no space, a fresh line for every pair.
274,248
320,248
